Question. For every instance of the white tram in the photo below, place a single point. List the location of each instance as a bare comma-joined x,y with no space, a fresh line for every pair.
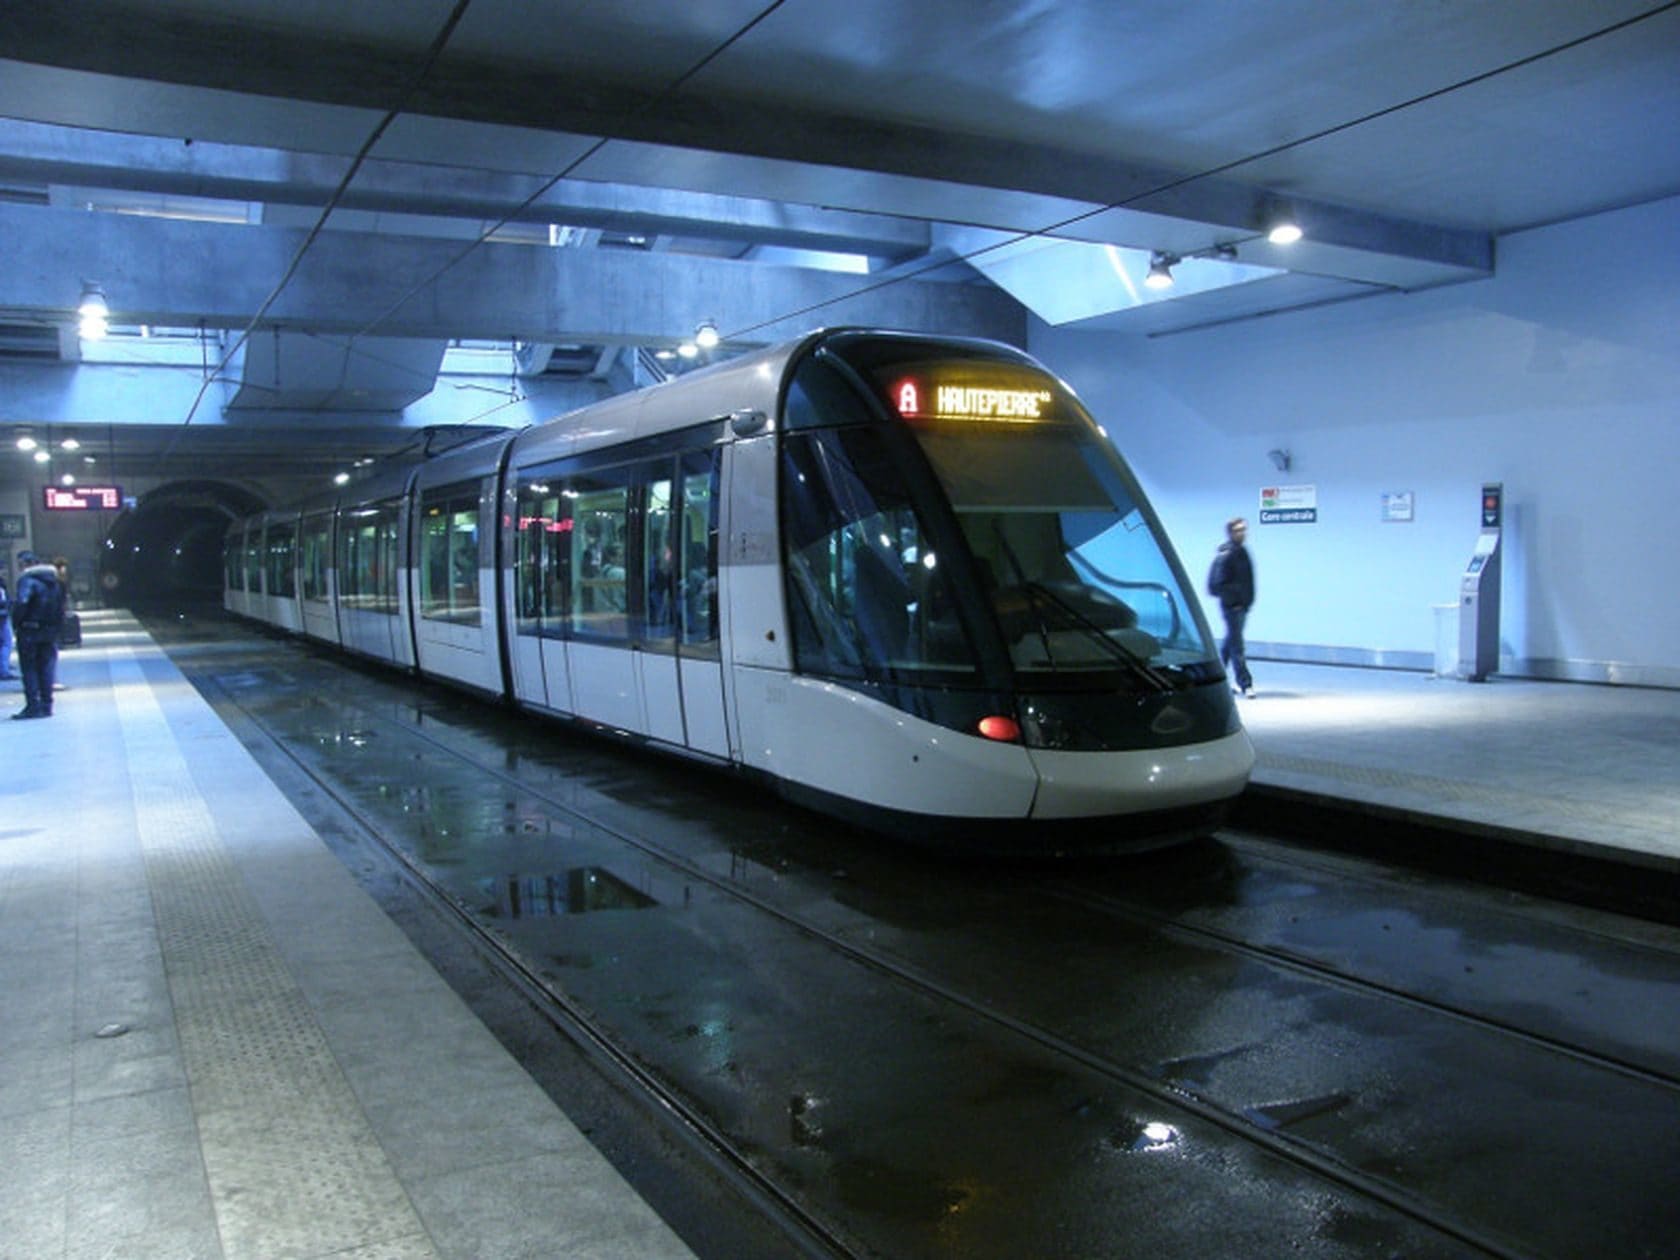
904,579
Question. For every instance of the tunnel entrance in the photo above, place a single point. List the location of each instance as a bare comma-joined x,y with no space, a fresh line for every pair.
168,548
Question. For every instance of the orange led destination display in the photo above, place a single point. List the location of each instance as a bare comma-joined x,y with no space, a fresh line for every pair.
919,398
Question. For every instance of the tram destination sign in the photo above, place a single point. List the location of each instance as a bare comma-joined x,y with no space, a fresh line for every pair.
82,498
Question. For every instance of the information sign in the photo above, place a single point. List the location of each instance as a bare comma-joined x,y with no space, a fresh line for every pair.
1289,505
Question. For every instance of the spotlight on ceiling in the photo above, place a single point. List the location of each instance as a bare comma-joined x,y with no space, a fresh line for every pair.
1281,228
94,312
706,336
1160,270
26,443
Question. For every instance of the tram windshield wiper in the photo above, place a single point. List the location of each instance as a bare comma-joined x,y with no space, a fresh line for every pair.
1079,621
1041,597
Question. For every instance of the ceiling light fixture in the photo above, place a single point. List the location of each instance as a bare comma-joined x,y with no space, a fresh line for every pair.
1281,227
70,444
42,457
1160,270
688,350
95,313
27,443
706,336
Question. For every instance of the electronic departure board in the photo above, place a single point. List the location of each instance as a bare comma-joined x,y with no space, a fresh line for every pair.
83,498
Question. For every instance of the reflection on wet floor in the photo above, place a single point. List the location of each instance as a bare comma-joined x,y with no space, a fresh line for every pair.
929,1131
578,891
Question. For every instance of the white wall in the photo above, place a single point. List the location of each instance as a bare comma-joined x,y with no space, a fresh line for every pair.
1559,377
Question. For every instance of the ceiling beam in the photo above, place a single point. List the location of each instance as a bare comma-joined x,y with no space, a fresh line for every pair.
395,286
201,168
149,75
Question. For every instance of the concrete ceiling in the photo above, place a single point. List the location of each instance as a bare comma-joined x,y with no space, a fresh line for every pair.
602,176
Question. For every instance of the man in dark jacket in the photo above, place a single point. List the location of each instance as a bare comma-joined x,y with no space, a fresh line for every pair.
1231,581
37,617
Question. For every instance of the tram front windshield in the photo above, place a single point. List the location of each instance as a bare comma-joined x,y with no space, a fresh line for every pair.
986,509
1074,573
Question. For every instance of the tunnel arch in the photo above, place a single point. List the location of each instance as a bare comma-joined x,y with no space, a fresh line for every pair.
168,547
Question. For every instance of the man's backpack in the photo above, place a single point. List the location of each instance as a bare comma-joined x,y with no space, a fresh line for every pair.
43,608
1216,572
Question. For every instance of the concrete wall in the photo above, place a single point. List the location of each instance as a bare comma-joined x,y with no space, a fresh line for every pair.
1559,377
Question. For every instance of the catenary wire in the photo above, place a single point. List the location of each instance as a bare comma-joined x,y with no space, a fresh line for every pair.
1222,169
433,52
865,290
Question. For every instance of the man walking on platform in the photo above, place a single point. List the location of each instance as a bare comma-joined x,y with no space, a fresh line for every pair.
1231,582
37,617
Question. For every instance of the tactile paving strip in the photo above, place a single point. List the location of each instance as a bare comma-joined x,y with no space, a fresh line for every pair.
294,1169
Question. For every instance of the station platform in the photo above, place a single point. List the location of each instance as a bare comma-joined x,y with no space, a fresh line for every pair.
215,1043
1568,768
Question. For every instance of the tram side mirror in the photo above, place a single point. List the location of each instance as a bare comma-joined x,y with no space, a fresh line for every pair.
747,421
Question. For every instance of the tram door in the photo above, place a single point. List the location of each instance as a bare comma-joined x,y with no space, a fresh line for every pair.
679,668
655,644
699,655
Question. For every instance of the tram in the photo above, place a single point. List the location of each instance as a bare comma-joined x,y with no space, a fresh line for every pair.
903,579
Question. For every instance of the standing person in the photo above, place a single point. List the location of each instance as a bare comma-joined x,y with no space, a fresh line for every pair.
5,630
70,624
37,617
1231,581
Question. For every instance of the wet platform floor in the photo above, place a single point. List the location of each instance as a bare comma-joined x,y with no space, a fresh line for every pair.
215,1045
1235,1034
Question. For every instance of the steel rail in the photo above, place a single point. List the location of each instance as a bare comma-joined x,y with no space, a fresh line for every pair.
1238,1125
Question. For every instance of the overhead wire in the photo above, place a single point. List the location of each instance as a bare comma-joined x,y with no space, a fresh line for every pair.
669,89
675,85
1214,171
433,52
1016,237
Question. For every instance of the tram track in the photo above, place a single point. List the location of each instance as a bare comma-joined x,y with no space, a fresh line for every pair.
811,1236
1305,965
1611,928
821,1239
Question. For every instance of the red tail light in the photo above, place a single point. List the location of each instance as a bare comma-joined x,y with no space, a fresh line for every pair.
1003,729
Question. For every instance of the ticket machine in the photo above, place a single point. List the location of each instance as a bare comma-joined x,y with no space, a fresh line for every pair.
1478,594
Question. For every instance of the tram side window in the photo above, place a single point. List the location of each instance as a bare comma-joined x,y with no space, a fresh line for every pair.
600,586
449,580
867,595
253,561
368,559
233,559
697,599
542,557
316,531
282,556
